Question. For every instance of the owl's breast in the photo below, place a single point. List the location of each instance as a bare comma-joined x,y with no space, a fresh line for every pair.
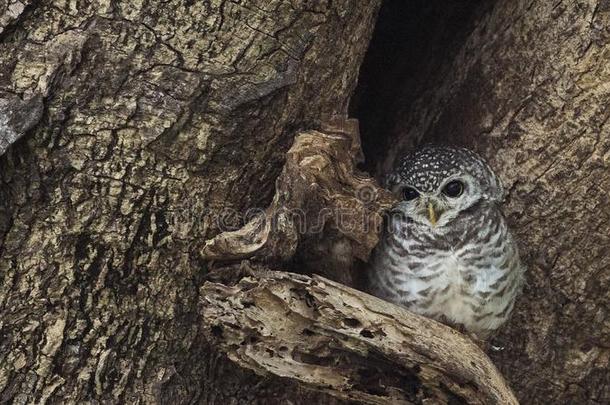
463,287
471,280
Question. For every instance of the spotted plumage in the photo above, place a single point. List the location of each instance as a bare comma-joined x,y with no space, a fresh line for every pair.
447,252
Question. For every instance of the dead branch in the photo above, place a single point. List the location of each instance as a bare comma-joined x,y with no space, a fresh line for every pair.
343,342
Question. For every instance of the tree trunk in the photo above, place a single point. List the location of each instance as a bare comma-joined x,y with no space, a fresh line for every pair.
157,119
136,137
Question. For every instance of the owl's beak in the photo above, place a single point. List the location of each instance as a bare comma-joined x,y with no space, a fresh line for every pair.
432,214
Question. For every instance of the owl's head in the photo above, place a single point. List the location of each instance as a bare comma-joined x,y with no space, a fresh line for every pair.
437,183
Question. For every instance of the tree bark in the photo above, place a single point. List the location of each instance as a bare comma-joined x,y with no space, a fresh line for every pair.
157,118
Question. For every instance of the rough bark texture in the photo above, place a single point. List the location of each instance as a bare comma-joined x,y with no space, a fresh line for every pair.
157,117
528,88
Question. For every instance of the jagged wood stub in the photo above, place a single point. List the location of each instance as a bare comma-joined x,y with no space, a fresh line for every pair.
344,343
322,205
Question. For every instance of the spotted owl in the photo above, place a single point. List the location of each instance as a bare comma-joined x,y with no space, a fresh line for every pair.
447,252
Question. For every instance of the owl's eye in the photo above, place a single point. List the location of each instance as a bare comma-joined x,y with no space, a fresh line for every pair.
453,189
409,193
